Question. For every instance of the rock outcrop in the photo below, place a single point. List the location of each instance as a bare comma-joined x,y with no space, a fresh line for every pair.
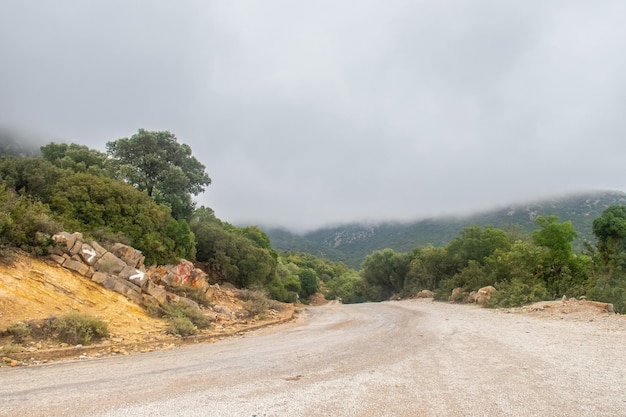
122,270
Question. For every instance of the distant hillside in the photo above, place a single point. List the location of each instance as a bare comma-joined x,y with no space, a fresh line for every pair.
351,243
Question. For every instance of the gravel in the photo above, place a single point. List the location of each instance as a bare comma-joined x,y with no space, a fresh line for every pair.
407,358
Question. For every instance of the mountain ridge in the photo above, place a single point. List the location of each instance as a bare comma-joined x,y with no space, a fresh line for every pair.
352,242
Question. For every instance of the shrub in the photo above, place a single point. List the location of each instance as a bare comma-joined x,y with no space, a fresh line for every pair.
20,332
517,293
77,328
181,326
11,349
176,314
254,301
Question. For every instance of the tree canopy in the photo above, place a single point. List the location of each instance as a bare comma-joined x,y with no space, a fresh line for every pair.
157,163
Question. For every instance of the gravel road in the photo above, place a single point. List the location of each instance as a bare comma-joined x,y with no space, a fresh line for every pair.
407,358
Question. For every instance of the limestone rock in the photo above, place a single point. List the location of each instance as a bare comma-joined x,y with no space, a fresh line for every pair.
76,266
155,291
458,295
64,238
110,264
88,254
58,259
130,256
425,294
484,294
183,273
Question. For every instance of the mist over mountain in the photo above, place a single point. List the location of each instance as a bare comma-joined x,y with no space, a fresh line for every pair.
18,144
351,243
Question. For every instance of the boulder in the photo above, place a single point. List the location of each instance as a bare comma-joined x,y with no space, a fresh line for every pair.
158,293
58,259
100,251
606,307
88,254
183,273
458,295
130,256
110,264
484,294
129,290
64,238
76,266
99,277
425,294
134,275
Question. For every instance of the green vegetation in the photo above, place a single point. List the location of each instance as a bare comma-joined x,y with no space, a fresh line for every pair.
141,193
183,319
77,328
156,163
353,242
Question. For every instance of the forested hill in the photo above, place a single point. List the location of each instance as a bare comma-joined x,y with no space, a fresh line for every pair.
351,243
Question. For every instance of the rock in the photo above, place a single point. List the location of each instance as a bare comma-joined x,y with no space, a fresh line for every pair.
425,294
130,256
457,295
484,294
100,251
64,238
76,266
110,264
607,307
134,275
155,291
88,254
99,277
78,244
58,259
129,290
183,273
471,298
223,310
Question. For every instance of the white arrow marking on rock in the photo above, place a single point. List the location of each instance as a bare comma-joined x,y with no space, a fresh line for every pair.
139,275
91,252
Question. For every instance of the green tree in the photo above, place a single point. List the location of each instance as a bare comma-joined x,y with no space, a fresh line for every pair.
610,229
558,261
78,158
157,163
309,282
475,244
385,271
230,253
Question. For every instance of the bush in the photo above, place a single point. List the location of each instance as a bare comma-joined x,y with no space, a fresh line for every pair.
177,314
77,328
20,332
181,326
518,293
11,349
254,301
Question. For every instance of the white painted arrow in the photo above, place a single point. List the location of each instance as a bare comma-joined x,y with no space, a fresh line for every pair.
91,252
139,275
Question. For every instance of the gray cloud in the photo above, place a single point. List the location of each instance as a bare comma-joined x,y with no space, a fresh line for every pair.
308,113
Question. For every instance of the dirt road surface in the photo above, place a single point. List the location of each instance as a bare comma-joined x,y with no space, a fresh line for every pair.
408,358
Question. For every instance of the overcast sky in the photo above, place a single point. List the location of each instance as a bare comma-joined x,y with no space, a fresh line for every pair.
308,113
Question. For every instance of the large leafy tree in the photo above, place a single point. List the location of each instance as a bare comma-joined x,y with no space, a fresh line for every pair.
157,163
610,229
